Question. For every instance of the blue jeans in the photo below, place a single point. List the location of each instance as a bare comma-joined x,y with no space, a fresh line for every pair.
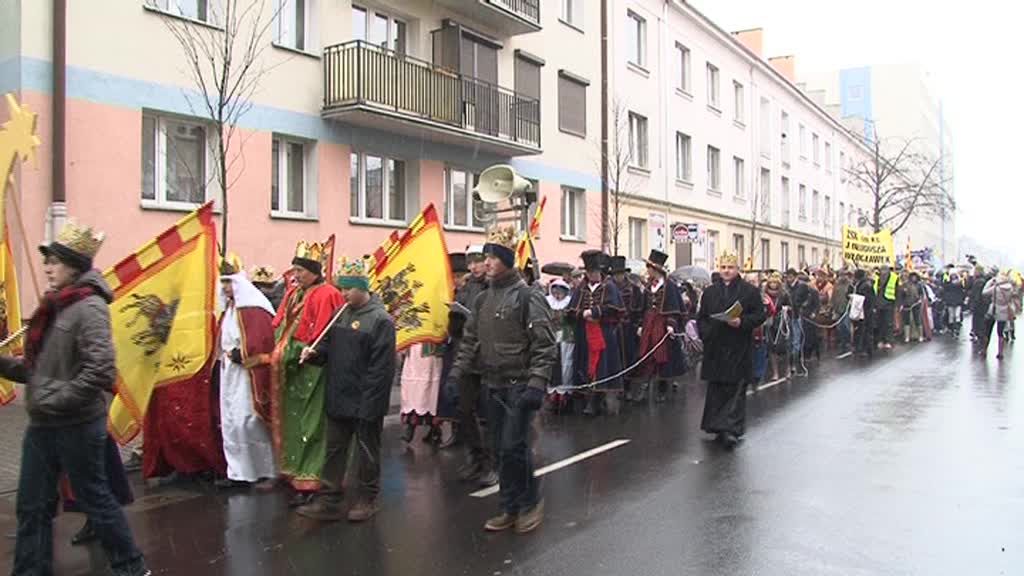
844,334
509,425
77,451
796,336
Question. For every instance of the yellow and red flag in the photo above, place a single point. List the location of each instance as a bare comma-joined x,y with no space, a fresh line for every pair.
411,274
163,316
17,139
525,246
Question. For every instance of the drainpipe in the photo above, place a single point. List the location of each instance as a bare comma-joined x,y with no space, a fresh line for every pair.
605,236
57,211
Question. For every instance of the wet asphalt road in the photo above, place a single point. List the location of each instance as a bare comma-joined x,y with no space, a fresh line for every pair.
910,464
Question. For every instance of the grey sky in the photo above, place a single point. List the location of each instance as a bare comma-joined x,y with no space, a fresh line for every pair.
970,50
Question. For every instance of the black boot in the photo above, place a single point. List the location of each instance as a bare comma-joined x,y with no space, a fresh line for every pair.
408,433
85,535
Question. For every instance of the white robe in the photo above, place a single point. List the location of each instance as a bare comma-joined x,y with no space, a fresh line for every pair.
247,444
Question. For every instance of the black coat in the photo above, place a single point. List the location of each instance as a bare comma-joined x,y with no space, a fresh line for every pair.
866,289
359,350
728,351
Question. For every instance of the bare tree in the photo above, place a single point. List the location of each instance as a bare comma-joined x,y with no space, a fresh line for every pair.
225,64
760,213
903,182
616,165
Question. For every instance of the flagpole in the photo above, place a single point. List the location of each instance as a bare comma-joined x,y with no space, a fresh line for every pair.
24,240
328,327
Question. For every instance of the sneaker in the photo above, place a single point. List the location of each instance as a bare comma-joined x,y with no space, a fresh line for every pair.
363,510
500,523
531,519
320,509
488,478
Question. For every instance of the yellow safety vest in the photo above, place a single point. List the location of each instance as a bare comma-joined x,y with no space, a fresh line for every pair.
890,286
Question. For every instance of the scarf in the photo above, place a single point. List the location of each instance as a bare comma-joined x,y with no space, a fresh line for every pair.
52,304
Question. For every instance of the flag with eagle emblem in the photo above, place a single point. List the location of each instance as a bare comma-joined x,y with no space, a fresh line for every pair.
163,316
411,274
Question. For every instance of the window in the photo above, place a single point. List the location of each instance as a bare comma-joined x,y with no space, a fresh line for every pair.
290,180
814,149
714,179
784,137
828,156
194,9
785,202
527,82
766,254
292,23
712,85
739,190
802,213
739,246
801,256
175,154
572,105
766,136
573,213
683,166
827,212
856,92
377,188
637,39
766,196
842,166
460,206
637,227
683,63
378,29
814,257
815,206
784,255
803,142
842,213
737,91
713,247
572,12
637,140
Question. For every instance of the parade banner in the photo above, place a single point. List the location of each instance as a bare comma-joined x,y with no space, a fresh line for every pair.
867,250
17,139
525,246
163,316
412,275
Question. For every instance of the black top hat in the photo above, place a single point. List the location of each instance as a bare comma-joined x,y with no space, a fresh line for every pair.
594,260
457,261
657,260
617,265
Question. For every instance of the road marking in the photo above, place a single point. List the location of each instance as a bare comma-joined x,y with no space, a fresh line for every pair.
844,355
559,465
771,384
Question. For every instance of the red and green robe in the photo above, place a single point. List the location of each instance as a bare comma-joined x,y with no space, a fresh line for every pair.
298,389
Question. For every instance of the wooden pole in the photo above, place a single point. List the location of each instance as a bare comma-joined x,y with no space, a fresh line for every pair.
328,327
30,259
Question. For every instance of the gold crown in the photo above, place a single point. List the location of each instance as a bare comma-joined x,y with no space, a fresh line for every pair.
230,265
354,267
728,259
82,239
504,236
314,251
263,275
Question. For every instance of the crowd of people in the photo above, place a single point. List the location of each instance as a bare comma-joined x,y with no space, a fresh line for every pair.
305,368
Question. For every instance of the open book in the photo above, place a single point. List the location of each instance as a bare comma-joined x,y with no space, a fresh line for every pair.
734,311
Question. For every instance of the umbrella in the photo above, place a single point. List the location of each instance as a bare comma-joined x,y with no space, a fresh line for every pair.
557,268
692,274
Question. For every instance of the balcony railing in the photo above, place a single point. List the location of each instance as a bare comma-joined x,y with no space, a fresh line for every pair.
358,75
527,9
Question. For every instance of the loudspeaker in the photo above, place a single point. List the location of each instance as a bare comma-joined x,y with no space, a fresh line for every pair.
499,183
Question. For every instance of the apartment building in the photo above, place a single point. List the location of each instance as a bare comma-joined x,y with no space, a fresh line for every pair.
367,112
718,137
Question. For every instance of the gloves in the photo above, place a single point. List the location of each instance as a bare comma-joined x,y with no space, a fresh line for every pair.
236,356
531,399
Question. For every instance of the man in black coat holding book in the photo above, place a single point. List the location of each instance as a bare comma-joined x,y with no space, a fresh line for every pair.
728,349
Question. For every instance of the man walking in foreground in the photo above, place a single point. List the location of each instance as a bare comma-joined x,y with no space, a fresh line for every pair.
510,341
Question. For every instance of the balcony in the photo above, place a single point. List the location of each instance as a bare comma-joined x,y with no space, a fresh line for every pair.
379,88
511,17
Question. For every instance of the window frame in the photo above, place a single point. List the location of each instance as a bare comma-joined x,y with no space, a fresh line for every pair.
572,13
802,202
574,224
640,48
636,244
386,216
739,178
715,170
828,156
449,204
714,89
786,149
786,199
393,43
739,97
815,144
562,76
803,141
278,29
173,8
639,141
683,54
815,206
160,150
308,182
766,253
684,157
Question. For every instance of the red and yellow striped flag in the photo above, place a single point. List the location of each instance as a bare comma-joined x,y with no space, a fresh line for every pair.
525,246
163,316
411,274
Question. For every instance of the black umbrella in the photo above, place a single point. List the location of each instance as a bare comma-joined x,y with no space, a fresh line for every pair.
692,274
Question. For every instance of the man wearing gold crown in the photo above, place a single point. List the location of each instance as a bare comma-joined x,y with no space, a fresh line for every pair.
728,337
509,339
246,341
264,279
68,368
359,352
298,389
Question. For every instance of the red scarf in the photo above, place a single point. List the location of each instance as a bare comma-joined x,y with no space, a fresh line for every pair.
51,305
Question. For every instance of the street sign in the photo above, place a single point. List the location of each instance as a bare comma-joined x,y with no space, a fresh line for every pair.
685,233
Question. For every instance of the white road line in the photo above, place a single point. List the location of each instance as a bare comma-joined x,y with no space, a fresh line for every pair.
844,355
771,384
559,465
